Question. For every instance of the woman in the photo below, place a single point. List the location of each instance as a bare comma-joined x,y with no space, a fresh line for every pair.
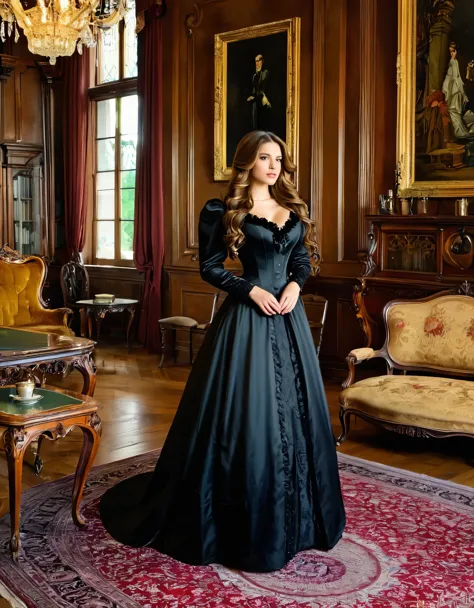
248,473
456,98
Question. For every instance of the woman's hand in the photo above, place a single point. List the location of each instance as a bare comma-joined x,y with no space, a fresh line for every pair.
289,297
265,300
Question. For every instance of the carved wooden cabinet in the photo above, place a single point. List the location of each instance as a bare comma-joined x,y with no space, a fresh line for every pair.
410,257
26,153
25,213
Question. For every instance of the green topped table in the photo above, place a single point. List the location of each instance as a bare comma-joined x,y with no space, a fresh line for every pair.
43,354
52,417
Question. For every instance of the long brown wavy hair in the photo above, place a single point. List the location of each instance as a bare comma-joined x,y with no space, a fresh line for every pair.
239,200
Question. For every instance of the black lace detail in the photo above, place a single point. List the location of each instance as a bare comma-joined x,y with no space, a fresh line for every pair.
303,446
280,233
289,510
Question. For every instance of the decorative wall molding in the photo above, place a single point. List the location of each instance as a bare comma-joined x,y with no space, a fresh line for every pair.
367,198
317,151
192,21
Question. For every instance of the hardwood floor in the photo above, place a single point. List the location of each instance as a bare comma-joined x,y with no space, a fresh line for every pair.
139,402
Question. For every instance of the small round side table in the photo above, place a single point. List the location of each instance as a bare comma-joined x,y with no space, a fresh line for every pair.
90,308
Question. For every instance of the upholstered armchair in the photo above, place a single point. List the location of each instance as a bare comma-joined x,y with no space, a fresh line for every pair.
434,335
21,305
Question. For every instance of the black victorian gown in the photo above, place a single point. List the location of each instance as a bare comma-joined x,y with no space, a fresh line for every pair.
248,474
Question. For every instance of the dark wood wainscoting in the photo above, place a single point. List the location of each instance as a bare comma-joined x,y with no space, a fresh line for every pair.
342,331
190,296
122,282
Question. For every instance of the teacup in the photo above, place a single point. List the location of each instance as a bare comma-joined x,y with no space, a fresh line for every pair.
25,390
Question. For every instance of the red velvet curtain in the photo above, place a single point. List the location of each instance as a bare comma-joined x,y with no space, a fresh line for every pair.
149,243
75,134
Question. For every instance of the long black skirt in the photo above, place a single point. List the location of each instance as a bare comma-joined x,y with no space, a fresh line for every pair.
248,474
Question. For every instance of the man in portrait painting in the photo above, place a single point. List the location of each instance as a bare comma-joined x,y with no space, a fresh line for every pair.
256,87
259,96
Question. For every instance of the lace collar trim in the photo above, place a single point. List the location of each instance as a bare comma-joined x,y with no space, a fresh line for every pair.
279,232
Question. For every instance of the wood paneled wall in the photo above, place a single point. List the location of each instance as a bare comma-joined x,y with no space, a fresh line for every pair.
346,143
106,279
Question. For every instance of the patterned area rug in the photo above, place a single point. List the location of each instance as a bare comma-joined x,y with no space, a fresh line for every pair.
409,543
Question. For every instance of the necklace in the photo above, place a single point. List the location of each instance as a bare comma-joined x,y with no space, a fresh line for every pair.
260,200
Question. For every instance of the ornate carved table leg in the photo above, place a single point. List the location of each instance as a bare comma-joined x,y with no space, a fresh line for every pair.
16,441
191,352
131,316
89,324
173,342
163,345
38,462
92,433
86,366
98,322
83,313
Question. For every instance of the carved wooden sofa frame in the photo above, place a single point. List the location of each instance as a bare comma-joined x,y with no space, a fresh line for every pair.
360,355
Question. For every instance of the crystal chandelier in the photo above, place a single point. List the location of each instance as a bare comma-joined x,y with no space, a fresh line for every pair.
55,28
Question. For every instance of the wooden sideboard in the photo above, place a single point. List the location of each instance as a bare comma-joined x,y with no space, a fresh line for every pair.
410,257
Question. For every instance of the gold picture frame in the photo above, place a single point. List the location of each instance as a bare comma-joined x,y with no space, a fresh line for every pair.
235,60
442,168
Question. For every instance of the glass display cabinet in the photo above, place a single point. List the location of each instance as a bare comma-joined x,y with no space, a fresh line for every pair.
27,205
26,218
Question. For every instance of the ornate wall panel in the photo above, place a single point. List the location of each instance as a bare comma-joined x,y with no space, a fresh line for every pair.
346,145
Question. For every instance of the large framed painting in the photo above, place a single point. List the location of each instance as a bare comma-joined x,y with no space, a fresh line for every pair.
436,98
256,87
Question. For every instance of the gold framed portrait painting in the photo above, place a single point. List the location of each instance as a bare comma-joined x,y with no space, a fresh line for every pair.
256,87
436,98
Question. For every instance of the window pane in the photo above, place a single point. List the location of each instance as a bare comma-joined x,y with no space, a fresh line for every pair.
106,155
105,181
128,204
126,240
105,240
127,179
130,44
109,54
106,205
128,144
129,115
106,118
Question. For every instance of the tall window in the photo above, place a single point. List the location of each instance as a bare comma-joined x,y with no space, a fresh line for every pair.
116,145
116,127
117,51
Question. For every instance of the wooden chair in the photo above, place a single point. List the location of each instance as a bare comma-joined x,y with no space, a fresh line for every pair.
74,283
75,286
175,324
316,309
201,328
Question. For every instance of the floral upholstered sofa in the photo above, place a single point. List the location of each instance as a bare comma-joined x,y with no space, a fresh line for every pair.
435,335
21,305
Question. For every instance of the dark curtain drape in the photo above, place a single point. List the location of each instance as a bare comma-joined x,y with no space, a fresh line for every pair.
75,129
149,214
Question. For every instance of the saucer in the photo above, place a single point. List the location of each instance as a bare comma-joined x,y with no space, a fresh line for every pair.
26,401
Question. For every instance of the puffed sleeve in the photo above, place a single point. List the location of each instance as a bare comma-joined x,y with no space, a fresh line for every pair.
213,252
299,265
